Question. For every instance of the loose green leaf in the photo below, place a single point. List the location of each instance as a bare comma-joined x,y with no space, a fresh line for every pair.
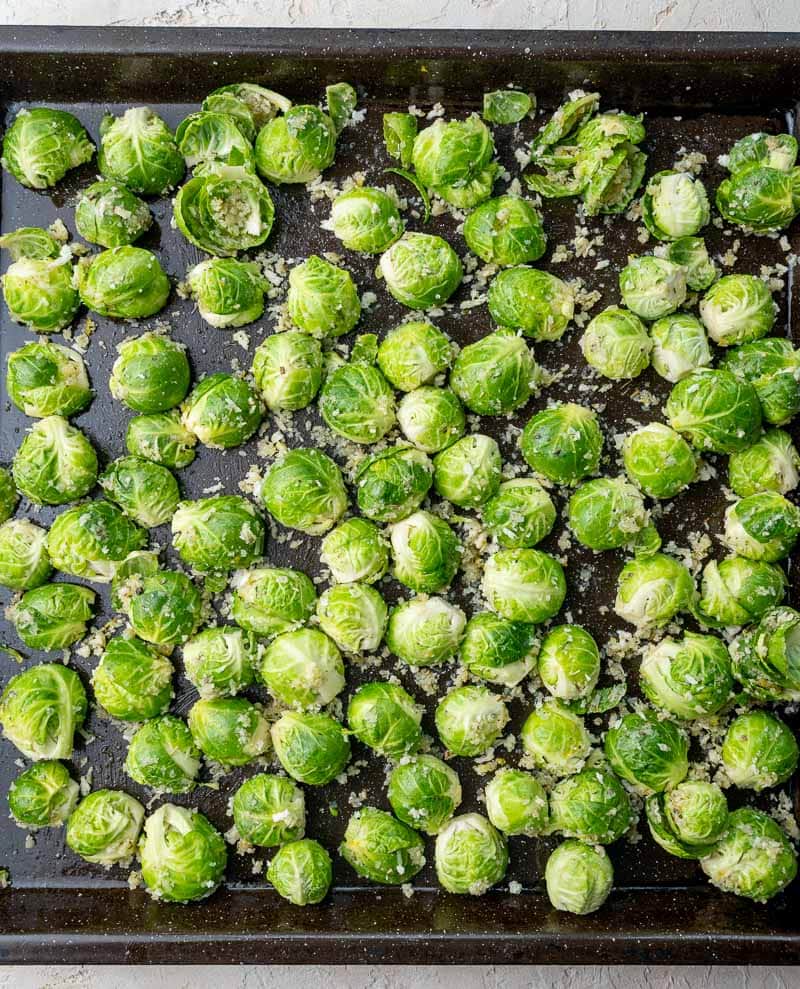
399,131
507,106
341,99
423,192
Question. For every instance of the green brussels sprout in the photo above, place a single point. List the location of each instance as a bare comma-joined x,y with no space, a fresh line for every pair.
691,253
424,792
715,411
303,668
110,215
421,271
659,460
229,293
128,577
182,854
304,490
139,151
9,496
271,600
393,483
737,309
91,540
759,751
146,492
495,375
507,231
322,299
569,662
46,379
765,659
123,283
33,242
53,616
163,756
425,631
520,515
652,287
167,609
220,661
301,872
366,219
471,855
355,551
133,681
263,104
431,418
41,709
413,354
563,443
771,150
497,650
24,561
357,402
737,591
610,176
516,803
162,438
533,301
222,411
524,585
651,590
763,526
758,198
297,146
40,293
675,204
43,796
312,748
425,552
42,145
690,677
381,848
772,367
592,805
452,153
650,753
772,463
269,810
468,472
287,368
680,346
385,717
616,344
578,877
105,827
229,730
469,720
688,820
218,533
55,463
354,616
207,139
556,739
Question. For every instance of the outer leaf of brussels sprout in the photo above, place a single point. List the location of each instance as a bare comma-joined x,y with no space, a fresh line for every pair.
92,540
366,219
555,738
105,827
139,151
40,293
162,755
506,231
162,438
381,848
758,198
301,872
651,590
385,717
424,792
520,514
770,464
312,748
145,491
765,659
772,150
759,751
496,374
41,709
123,283
507,106
468,473
566,119
610,181
341,100
471,855
207,138
399,132
431,418
609,130
772,367
569,662
24,562
607,513
659,460
218,533
524,585
269,810
296,147
128,577
42,145
167,609
648,752
9,497
55,463
737,591
303,668
183,856
516,803
497,650
652,287
763,526
287,368
304,490
393,483
355,551
44,795
563,443
133,681
425,552
469,194
111,215
229,293
578,877
222,411
322,299
452,152
264,104
421,270
151,373
553,186
470,719
413,354
229,105
691,253
53,616
533,301
689,677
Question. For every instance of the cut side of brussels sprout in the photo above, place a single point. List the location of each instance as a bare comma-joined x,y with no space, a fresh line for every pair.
578,877
471,855
42,145
46,379
207,139
766,658
385,717
304,490
533,301
41,709
105,827
556,739
43,796
183,856
139,151
229,293
495,375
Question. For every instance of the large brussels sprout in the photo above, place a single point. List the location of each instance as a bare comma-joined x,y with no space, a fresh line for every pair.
357,402
413,354
162,438
271,600
145,491
424,792
421,270
648,752
55,463
688,820
569,662
469,471
578,877
133,681
46,379
303,668
354,616
737,309
470,719
759,751
520,515
355,551
563,443
771,150
715,410
287,368
425,552
652,287
139,151
111,215
42,145
431,418
506,231
43,796
497,650
24,560
616,344
222,411
533,301
304,490
471,855
40,293
123,283
758,198
381,848
208,139
524,585
53,616
393,483
763,526
651,590
555,738
162,755
230,730
182,854
680,346
9,496
737,591
675,204
297,146
658,460
495,375
690,677
772,463
220,661
167,609
607,513
41,709
516,803
229,293
385,717
301,872
591,805
105,827
312,748
322,299
766,660
425,631
772,367
269,810
218,533
33,242
452,153
366,219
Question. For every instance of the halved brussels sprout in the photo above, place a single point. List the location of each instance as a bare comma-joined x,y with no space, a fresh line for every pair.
263,104
680,346
452,153
690,677
737,591
162,755
556,739
230,730
146,492
301,872
691,253
354,616
659,460
55,463
431,418
651,590
220,661
471,855
425,631
506,231
355,551
312,748
569,662
772,367
167,609
771,150
563,443
222,411
24,560
303,668
616,344
105,827
763,526
759,751
33,242
208,138
40,293
218,533
133,681
652,287
229,293
41,709
497,650
421,271
92,540
737,309
381,848
123,283
424,792
607,513
468,472
578,877
43,796
524,585
304,490
110,215
413,354
357,402
688,820
269,810
366,219
591,805
393,483
139,151
322,299
758,198
9,497
42,145
385,717
772,463
715,411
53,616
297,146
469,720
425,552
162,438
287,368
182,854
650,753
496,374
271,600
516,803
675,204
47,379
766,659
533,301
520,515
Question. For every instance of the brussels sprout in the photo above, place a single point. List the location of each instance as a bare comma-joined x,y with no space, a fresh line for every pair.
578,877
91,540
563,443
759,751
758,198
715,411
162,755
431,418
772,463
651,590
468,473
46,379
162,438
222,411
357,402
355,551
497,650
520,515
421,270
41,709
33,242
55,463
469,720
366,219
556,739
569,662
40,293
301,872
24,561
133,681
8,495
208,139
297,146
737,309
354,616
652,287
495,375
145,491
766,659
737,591
471,855
218,533
616,344
689,677
675,205
648,752
609,177
591,805
287,368
516,803
425,552
533,301
424,792
219,661
312,748
691,253
772,367
659,460
680,346
763,526
271,600
111,215
229,293
105,827
167,609
508,231
53,616
182,854
303,668
123,283
393,483
139,151
304,490
42,145
269,810
385,717
771,150
688,820
43,796
425,631
452,153
524,585
413,354
322,299
263,104
381,848
229,730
